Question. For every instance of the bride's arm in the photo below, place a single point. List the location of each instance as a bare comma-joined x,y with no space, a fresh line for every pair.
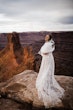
39,52
47,48
52,46
50,49
45,53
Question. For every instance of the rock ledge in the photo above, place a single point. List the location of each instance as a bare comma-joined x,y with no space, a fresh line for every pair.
22,88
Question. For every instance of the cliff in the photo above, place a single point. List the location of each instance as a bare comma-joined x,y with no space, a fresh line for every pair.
63,53
19,54
14,58
21,88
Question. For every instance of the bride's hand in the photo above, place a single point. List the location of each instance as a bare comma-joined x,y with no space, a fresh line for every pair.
45,53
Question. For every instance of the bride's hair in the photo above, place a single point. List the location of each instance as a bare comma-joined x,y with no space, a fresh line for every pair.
50,37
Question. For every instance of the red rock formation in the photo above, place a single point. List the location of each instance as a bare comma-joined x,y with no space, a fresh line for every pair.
14,58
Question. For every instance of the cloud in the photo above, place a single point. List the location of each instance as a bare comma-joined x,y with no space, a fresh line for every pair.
27,15
18,7
67,20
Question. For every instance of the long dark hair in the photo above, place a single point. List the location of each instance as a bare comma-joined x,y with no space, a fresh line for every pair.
50,35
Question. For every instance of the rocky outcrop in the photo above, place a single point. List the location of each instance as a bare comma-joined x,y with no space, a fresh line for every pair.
22,89
8,104
15,47
13,38
14,58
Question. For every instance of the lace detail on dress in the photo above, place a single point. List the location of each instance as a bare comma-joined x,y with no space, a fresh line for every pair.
49,90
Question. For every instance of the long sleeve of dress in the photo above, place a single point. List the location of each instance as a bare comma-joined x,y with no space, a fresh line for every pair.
51,48
48,47
39,52
49,90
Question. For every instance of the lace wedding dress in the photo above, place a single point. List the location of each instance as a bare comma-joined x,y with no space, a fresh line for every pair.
49,90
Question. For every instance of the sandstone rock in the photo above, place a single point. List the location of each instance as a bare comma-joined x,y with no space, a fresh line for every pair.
14,58
8,104
22,88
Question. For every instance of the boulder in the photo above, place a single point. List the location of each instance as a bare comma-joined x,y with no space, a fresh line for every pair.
8,104
22,89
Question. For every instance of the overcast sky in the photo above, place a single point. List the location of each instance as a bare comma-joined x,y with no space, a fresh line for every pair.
36,15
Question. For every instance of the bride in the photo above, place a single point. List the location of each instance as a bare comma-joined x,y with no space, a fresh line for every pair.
49,91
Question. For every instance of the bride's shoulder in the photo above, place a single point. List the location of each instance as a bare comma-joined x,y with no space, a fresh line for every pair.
51,41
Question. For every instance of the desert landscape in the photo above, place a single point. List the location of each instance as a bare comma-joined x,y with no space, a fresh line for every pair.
20,63
31,42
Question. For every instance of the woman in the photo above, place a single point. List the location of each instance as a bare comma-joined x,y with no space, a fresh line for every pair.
49,91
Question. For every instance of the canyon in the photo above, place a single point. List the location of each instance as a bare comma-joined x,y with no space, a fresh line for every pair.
20,63
34,40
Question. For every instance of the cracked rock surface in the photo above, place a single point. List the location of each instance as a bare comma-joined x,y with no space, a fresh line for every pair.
21,88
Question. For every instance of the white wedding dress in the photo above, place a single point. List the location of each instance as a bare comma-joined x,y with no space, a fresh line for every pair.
49,91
